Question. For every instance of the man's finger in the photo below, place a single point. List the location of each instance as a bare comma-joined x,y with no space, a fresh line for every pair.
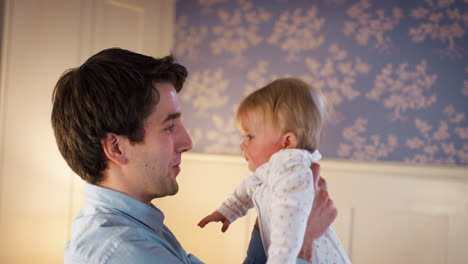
316,174
321,198
332,211
322,184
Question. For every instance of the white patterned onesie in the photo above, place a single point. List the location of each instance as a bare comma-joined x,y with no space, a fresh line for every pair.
282,191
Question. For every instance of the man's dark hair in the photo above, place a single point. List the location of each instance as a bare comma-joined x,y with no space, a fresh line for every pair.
112,92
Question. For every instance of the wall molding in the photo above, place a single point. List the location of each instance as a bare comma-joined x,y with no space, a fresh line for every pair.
5,56
377,168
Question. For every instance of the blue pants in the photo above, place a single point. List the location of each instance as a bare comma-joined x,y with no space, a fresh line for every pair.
255,252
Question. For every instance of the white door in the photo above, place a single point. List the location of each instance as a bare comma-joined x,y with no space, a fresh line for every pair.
41,39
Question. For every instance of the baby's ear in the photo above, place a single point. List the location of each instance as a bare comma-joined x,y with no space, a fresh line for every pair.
289,140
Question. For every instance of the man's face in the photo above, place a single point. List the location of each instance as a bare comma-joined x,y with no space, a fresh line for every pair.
154,163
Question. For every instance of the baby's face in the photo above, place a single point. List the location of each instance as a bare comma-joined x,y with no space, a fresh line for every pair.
260,140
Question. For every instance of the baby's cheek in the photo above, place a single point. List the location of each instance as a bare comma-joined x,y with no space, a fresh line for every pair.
259,159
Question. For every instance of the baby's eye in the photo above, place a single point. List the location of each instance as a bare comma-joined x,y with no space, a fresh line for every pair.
249,137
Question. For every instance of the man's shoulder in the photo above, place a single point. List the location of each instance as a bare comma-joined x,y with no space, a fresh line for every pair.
96,237
116,245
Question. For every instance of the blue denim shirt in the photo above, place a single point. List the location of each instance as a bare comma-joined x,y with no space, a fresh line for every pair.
114,228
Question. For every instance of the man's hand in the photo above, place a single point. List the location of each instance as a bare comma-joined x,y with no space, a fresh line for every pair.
321,216
215,217
323,211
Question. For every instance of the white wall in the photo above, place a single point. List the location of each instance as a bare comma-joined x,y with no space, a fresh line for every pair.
41,39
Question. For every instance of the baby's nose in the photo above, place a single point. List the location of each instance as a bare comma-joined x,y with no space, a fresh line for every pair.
242,146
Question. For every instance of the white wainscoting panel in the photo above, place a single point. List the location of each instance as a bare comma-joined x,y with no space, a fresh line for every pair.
388,212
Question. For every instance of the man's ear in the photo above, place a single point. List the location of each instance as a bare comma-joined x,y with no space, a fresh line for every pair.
114,148
289,140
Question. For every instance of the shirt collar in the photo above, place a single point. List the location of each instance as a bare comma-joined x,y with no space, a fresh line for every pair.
149,215
315,156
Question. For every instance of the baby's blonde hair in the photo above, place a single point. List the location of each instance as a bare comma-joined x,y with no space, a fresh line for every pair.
290,105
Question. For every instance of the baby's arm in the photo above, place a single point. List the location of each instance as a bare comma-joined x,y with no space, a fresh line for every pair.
235,206
292,185
215,217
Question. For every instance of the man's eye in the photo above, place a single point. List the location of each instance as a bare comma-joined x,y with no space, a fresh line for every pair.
170,128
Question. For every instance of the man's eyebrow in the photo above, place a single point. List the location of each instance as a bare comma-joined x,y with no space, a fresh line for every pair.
171,116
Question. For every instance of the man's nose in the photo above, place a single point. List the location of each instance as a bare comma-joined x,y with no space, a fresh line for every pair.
184,141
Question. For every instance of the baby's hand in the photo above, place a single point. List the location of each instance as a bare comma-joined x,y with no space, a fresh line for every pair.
215,217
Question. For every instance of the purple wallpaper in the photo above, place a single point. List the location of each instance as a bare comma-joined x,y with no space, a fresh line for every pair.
395,72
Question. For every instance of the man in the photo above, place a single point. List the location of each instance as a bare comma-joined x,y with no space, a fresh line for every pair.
117,124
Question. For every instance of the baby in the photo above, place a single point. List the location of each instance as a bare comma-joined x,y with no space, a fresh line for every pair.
281,124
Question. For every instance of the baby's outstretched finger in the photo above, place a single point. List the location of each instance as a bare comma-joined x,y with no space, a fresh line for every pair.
225,226
204,221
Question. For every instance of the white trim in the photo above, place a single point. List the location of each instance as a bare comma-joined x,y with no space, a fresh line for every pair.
5,56
376,168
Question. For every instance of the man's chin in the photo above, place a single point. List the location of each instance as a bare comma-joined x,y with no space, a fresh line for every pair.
175,190
173,193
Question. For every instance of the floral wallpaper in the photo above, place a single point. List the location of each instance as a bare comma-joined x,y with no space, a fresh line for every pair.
395,72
